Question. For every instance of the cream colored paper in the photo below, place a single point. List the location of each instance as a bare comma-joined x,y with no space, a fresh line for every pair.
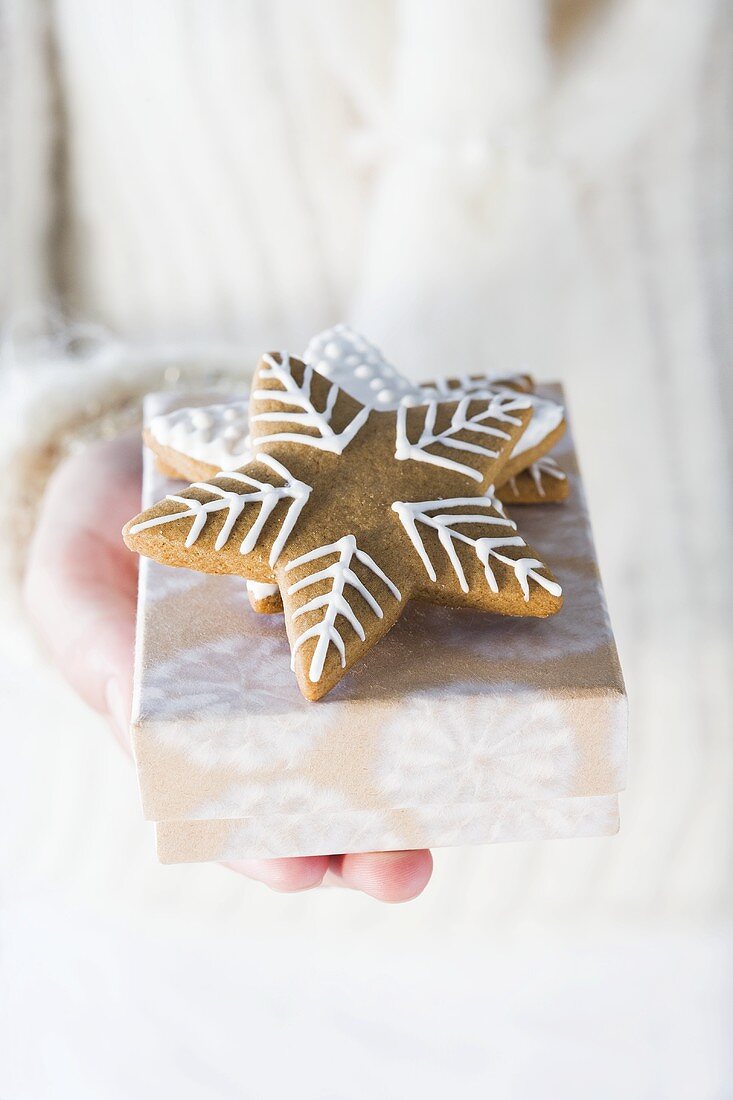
453,715
380,830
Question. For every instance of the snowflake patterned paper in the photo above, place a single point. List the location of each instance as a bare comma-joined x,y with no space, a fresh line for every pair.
352,511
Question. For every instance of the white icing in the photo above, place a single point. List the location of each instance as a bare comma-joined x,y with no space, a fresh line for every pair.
546,417
547,465
537,470
266,495
340,575
487,547
261,591
461,384
358,367
218,434
215,434
499,407
294,395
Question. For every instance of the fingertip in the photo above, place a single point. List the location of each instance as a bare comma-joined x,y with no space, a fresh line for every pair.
286,876
391,877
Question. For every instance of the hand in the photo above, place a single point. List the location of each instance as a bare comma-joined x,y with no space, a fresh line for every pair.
81,590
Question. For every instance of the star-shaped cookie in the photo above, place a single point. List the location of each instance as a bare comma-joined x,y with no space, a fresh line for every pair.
352,511
197,443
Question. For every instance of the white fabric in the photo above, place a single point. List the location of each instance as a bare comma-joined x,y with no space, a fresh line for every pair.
505,184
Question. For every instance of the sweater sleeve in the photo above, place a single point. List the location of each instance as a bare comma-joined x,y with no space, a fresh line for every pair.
60,392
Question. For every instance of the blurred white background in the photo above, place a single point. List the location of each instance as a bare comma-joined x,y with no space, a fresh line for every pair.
509,183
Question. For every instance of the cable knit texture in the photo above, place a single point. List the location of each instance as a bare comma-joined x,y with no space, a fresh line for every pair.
537,212
475,185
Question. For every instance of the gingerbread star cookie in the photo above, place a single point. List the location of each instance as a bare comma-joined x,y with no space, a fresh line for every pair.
352,511
197,443
541,483
359,367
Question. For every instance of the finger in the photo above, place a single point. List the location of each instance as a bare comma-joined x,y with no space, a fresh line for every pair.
387,876
287,876
80,584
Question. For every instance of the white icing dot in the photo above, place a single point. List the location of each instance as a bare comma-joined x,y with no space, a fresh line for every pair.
386,395
332,349
375,384
230,414
201,419
324,367
232,432
351,360
363,371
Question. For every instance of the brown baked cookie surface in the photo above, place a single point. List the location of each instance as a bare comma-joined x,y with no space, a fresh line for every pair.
354,511
178,464
265,599
522,459
541,483
197,442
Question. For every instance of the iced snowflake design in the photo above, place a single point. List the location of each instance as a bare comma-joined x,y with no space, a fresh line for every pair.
353,510
218,435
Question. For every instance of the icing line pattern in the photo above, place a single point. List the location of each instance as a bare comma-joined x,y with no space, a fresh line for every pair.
444,523
268,496
462,384
218,433
298,397
340,575
500,406
536,471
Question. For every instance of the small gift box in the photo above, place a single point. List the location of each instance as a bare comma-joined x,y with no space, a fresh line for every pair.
457,728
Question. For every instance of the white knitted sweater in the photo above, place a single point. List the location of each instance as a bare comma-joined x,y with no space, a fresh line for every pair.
510,184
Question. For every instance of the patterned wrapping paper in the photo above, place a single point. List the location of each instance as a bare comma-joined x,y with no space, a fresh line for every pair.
457,728
383,830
